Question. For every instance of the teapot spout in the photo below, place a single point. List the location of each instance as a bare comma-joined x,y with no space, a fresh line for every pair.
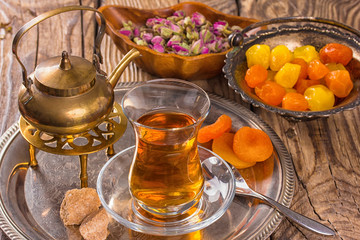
116,73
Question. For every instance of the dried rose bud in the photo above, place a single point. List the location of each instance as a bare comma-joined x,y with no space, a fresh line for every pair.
196,47
192,36
127,33
206,36
213,46
175,28
180,50
221,28
146,36
179,13
188,22
136,32
166,32
174,40
157,40
140,41
159,48
198,19
205,50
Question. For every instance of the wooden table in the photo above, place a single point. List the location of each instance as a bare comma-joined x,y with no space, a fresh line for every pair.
325,152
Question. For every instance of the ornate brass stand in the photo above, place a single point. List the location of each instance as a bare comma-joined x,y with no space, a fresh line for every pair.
102,136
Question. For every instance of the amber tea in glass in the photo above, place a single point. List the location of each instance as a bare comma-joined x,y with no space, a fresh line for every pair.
166,176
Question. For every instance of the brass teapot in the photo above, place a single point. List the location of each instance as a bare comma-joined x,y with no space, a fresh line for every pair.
68,94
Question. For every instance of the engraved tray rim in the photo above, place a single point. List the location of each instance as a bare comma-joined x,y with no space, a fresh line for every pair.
13,231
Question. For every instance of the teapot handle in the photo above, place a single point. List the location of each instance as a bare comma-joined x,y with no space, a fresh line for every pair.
46,15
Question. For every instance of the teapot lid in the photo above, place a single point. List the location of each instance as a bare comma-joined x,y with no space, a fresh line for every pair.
65,77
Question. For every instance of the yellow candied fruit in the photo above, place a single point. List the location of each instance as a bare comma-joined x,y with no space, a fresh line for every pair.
335,66
319,98
258,54
288,75
279,55
307,52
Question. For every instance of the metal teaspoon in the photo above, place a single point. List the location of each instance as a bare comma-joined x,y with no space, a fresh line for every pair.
242,189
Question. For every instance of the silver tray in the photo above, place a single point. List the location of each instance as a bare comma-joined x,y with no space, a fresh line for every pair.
31,198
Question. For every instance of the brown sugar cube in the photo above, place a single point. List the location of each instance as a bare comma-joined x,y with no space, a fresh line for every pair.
94,226
77,204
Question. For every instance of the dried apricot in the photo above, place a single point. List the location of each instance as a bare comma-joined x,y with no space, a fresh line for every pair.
339,82
294,101
258,54
317,70
255,75
209,132
252,145
336,53
270,92
223,146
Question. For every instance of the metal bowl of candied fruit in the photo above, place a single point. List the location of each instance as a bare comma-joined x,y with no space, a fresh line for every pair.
299,67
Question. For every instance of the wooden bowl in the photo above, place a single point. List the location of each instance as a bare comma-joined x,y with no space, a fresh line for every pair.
293,32
169,65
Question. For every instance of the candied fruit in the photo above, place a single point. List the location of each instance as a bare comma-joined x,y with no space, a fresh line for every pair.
317,70
288,75
258,54
319,98
270,92
255,75
307,52
279,55
294,101
336,53
339,82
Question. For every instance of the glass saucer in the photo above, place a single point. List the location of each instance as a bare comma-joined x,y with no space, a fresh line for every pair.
113,190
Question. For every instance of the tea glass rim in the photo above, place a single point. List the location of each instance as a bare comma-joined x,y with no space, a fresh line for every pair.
168,80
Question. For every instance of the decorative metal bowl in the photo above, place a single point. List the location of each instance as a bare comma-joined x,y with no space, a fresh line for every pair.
169,65
292,32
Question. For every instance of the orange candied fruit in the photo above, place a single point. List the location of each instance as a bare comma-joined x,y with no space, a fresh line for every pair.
336,53
209,132
295,102
255,75
339,82
270,92
317,70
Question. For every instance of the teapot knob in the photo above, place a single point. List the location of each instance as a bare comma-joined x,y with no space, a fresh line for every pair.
65,61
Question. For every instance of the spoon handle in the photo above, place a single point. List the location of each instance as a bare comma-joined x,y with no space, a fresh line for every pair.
296,217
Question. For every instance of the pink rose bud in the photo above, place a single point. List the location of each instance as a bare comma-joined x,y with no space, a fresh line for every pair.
198,19
159,48
127,33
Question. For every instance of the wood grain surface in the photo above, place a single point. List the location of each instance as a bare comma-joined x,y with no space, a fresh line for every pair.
325,152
